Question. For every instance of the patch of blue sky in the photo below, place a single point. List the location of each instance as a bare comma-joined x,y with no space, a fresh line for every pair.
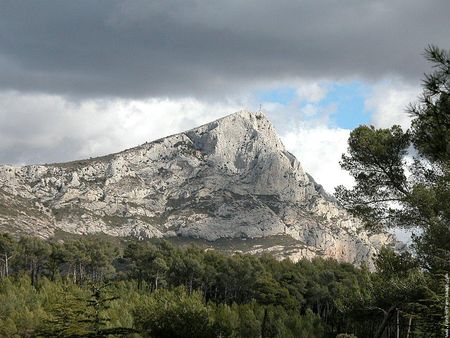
349,99
344,103
281,95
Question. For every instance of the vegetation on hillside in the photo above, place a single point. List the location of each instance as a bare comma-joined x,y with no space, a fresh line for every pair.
90,286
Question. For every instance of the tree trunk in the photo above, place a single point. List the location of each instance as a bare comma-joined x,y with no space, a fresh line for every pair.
80,268
398,324
6,265
446,306
74,274
387,315
409,327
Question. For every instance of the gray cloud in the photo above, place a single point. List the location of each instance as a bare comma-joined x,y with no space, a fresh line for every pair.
208,48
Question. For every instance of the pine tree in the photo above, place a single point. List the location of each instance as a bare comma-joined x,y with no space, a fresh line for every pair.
7,251
385,196
67,317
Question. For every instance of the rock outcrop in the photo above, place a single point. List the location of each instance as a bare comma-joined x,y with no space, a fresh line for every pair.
231,178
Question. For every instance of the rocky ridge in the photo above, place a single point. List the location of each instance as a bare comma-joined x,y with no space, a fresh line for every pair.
231,178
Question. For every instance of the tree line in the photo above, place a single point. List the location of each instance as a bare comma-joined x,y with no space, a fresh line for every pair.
92,286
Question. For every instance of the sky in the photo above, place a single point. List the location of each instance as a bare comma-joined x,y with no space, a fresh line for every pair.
88,78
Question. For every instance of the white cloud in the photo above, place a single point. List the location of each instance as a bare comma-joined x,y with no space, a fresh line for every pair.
310,110
47,128
389,101
319,150
312,92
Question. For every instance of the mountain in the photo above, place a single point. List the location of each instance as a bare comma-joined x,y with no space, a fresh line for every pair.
230,183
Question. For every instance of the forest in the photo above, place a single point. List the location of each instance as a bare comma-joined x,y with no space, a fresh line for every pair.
92,286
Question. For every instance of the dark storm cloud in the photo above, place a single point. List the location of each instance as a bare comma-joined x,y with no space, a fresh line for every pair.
203,48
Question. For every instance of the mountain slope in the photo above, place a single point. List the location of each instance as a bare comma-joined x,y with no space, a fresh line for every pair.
231,178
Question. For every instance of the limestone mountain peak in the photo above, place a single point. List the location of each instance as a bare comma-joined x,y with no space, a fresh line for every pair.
231,179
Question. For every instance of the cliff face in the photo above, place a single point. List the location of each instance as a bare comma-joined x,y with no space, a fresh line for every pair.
231,178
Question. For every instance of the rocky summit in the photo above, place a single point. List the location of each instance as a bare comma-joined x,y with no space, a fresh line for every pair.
228,181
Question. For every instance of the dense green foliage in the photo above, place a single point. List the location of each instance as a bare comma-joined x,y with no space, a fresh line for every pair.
93,286
403,180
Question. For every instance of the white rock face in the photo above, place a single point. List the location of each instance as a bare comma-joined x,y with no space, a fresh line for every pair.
231,178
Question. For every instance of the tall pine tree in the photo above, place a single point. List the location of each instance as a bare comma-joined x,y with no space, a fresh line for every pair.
392,192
